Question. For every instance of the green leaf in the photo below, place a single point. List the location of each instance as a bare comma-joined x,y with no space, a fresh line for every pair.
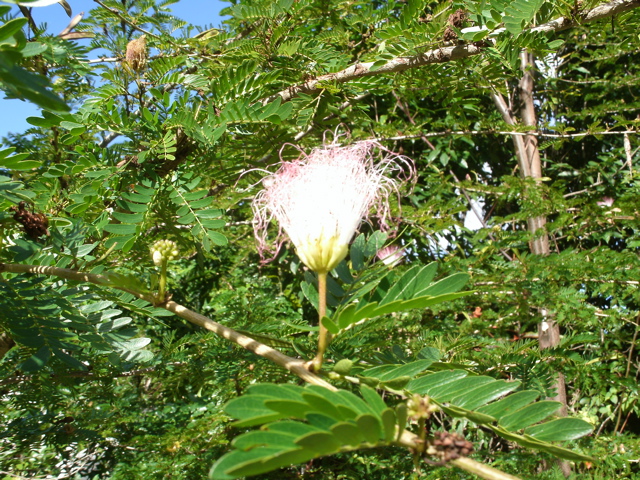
410,369
509,404
388,417
289,408
483,394
321,443
235,461
250,410
128,217
370,428
411,285
373,399
446,392
401,416
11,27
425,384
348,433
322,405
343,367
329,325
559,430
120,229
267,438
291,427
37,361
529,415
356,254
530,442
217,238
397,383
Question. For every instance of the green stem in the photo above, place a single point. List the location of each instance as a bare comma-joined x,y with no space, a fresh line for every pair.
162,282
324,337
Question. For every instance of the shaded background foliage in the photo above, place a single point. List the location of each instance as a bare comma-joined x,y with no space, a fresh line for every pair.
157,151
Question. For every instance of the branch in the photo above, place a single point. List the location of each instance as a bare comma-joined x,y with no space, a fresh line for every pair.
445,54
503,132
359,70
294,365
605,10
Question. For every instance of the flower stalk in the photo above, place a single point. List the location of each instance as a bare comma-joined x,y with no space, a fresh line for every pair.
324,337
161,252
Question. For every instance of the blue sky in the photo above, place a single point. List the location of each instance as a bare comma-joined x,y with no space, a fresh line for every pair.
13,113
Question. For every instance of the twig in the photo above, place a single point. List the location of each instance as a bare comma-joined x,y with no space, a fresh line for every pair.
126,20
505,132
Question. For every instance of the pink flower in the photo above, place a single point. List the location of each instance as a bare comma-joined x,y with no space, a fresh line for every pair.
391,255
319,201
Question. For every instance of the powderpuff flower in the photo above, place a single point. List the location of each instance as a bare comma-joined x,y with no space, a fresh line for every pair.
320,199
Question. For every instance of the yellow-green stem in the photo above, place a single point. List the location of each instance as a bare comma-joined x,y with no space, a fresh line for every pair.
324,336
162,282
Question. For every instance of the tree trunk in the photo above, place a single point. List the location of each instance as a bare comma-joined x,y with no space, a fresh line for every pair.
530,166
528,156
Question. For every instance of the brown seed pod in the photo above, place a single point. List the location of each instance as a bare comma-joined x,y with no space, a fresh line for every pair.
35,225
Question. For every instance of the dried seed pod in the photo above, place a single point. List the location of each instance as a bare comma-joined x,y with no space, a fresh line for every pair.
35,225
451,445
136,56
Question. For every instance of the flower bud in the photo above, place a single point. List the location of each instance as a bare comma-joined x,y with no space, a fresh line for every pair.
391,255
163,251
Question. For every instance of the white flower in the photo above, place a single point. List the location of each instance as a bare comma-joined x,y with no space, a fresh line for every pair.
319,201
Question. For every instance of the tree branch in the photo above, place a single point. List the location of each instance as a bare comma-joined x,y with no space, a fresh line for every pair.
445,54
294,365
359,70
504,132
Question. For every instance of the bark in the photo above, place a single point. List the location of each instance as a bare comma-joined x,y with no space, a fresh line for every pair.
528,157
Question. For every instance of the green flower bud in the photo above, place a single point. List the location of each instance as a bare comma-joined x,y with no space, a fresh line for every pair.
163,251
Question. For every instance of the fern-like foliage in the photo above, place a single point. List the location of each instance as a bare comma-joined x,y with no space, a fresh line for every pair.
369,289
64,321
325,422
519,14
461,394
300,424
